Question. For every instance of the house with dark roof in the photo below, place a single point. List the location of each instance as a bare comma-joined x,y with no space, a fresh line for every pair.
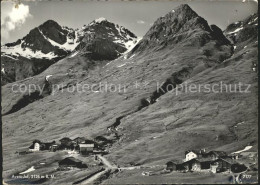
79,140
71,162
192,165
54,147
205,163
47,146
216,155
102,141
171,166
88,141
180,167
221,165
65,140
66,143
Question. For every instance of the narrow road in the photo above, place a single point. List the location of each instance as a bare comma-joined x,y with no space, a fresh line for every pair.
108,165
106,162
129,168
94,177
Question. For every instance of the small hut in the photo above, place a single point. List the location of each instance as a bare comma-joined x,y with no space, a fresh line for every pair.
192,165
71,162
171,166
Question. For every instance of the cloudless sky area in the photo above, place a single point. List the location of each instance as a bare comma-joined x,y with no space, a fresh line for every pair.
137,16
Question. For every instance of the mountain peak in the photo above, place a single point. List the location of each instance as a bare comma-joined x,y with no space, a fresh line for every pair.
98,20
50,23
184,11
176,26
180,19
184,7
101,19
104,40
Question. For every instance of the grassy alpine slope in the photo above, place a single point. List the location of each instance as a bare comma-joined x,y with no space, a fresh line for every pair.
191,52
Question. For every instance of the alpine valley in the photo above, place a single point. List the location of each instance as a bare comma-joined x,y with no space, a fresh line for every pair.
150,118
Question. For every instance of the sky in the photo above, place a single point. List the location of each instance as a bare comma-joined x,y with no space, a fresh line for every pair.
137,16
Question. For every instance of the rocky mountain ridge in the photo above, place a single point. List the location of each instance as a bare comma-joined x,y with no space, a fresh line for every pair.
50,42
103,40
182,24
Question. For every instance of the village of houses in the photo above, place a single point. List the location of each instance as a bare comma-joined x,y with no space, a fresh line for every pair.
79,145
193,161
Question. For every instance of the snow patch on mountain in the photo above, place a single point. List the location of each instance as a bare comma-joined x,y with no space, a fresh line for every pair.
129,45
245,149
29,170
99,20
236,30
73,54
251,22
3,70
26,52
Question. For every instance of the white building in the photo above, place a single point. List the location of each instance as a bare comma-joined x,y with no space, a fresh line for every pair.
213,168
190,155
35,147
86,148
